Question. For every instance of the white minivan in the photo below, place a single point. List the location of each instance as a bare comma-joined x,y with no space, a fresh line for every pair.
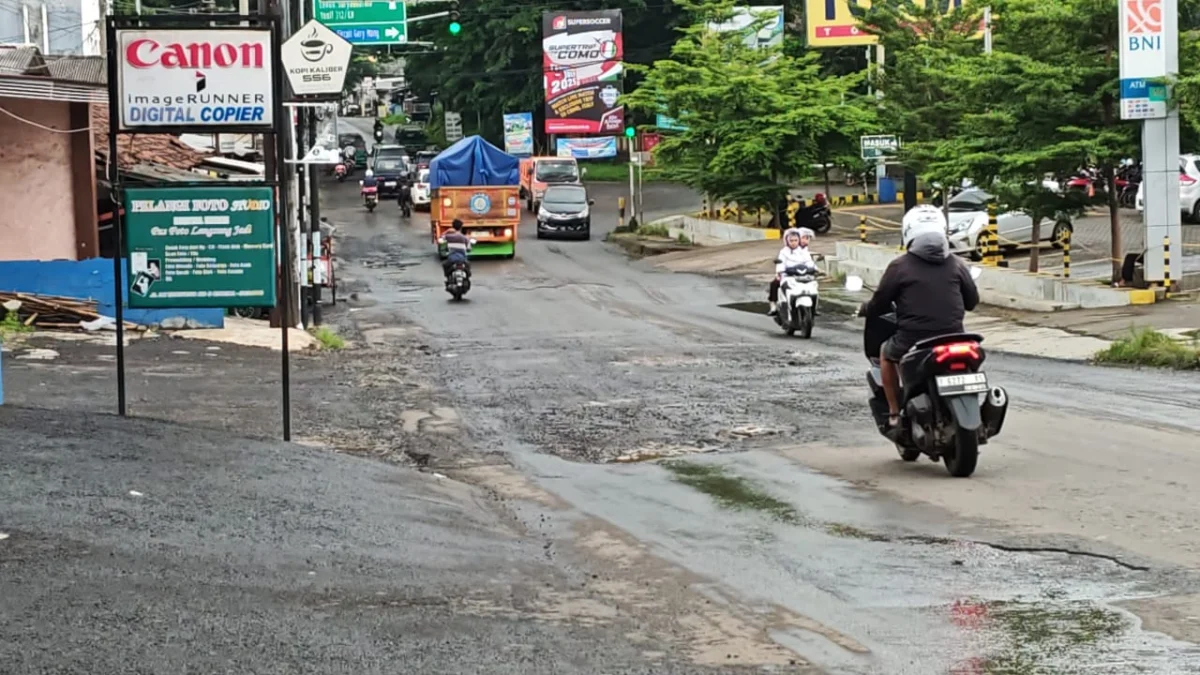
1189,189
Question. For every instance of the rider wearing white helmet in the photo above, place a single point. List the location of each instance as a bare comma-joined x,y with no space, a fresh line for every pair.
929,289
921,219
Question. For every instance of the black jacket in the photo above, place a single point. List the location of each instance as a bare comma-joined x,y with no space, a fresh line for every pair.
932,291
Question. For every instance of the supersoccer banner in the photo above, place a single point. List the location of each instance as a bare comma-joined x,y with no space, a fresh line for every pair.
582,56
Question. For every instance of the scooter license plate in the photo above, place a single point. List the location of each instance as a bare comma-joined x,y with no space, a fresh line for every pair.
805,301
957,385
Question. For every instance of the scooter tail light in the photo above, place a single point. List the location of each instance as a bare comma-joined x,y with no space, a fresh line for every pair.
956,351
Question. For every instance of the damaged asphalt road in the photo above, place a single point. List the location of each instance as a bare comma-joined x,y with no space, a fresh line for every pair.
723,481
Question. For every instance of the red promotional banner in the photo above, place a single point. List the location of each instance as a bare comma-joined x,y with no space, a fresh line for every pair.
582,56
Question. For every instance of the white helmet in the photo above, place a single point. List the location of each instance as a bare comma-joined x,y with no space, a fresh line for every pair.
921,219
369,173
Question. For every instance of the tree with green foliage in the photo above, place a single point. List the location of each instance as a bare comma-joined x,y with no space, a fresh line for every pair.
494,65
920,101
1044,102
754,117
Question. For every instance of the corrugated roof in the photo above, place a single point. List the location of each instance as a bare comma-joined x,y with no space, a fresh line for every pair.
21,60
86,69
133,149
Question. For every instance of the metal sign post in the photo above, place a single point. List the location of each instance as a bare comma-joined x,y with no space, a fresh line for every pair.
1149,55
196,243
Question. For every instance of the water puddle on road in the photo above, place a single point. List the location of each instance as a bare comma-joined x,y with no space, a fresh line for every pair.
1018,636
893,577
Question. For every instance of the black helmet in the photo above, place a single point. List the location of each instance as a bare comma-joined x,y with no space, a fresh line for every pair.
457,224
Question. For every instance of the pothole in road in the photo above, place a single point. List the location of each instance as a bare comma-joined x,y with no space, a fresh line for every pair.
1031,610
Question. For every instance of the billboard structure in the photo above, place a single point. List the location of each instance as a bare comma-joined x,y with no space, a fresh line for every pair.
770,34
582,54
832,23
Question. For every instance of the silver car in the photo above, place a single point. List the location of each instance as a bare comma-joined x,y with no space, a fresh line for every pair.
969,216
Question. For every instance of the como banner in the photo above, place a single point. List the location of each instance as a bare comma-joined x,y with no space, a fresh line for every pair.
587,148
831,23
582,55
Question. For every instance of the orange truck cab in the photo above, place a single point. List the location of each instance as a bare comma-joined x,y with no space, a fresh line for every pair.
538,173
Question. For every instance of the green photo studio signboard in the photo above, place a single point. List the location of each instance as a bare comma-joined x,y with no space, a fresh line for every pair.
200,247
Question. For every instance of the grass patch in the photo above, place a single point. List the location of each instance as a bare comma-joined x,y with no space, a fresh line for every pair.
328,338
1148,347
731,492
653,231
616,172
1040,637
11,326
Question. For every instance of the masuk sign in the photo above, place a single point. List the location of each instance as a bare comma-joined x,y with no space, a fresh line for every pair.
168,77
316,60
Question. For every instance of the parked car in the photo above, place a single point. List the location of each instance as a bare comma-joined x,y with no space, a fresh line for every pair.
969,216
565,211
420,190
1189,189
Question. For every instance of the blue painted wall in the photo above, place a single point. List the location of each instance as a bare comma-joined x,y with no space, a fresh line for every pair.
91,279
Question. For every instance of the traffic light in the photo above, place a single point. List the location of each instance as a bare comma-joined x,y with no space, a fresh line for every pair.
630,129
455,27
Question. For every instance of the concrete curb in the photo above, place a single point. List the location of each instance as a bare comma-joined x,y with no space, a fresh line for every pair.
708,232
998,287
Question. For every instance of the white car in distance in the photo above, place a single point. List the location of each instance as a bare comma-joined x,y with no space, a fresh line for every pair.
1189,189
968,216
420,190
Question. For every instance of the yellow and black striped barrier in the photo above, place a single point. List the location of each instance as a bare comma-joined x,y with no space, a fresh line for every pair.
862,229
1166,267
1066,264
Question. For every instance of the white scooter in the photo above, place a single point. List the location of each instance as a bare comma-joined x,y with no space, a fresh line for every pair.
798,294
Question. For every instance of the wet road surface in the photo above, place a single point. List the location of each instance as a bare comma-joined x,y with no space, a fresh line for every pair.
633,396
705,493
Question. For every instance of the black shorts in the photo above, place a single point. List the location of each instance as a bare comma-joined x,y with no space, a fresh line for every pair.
894,350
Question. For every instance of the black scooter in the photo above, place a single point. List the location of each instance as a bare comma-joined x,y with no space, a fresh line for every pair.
816,217
948,409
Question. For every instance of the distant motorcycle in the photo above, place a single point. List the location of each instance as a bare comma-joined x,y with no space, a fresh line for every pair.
370,197
798,293
816,216
948,408
458,281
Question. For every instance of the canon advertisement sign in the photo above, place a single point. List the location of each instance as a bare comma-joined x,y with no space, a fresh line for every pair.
195,78
582,54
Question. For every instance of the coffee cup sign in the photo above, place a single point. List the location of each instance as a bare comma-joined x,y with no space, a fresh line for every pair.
316,59
314,49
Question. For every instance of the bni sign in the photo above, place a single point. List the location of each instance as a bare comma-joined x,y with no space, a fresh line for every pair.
195,78
1149,47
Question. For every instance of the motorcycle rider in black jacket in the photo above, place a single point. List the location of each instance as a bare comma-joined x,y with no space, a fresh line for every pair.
929,289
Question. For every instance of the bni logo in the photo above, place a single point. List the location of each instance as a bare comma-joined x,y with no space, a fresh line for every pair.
1143,17
201,82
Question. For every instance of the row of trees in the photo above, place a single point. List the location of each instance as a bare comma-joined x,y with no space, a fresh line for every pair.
1045,101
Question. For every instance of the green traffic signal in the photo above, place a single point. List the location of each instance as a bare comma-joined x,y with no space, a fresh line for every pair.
629,132
455,28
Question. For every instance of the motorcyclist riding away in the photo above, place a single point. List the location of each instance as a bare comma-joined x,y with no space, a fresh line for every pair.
404,198
931,291
369,180
457,246
794,253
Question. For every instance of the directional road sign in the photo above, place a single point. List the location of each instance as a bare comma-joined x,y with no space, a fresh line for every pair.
365,22
878,148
